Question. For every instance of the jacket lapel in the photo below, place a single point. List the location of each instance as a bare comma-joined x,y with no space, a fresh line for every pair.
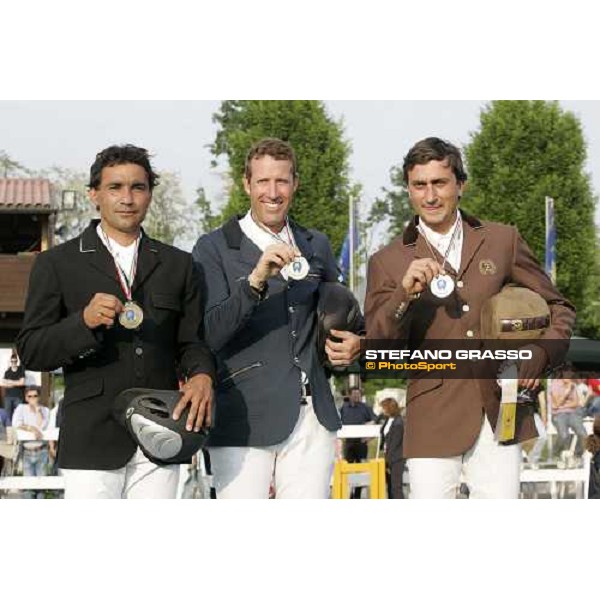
473,238
302,237
147,261
248,252
100,259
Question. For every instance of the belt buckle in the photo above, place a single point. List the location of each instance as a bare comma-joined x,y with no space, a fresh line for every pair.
304,393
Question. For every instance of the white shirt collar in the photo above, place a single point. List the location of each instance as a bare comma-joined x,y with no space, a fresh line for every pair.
441,241
261,237
439,238
124,255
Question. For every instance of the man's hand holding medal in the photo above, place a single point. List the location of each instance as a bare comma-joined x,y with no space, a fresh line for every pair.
420,274
271,262
102,310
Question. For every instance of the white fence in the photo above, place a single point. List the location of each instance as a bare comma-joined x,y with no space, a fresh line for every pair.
558,479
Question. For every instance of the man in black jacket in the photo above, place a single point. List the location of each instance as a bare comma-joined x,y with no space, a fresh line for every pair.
116,310
260,275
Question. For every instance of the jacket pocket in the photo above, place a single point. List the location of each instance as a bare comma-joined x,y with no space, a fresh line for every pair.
168,301
234,376
84,390
421,385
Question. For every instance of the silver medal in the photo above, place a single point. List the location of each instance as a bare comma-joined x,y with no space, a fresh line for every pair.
441,286
132,315
298,268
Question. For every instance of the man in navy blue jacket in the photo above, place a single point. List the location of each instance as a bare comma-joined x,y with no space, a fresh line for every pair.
259,276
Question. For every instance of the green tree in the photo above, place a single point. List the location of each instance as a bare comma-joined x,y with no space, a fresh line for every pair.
207,219
523,152
393,205
169,214
10,167
321,151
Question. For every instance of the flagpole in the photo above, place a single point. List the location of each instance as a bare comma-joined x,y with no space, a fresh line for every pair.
550,265
550,240
351,243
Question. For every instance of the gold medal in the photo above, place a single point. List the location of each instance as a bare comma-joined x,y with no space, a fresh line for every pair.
132,315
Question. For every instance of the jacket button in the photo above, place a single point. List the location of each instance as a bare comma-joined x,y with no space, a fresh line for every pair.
466,308
296,359
291,309
470,333
293,334
139,351
460,284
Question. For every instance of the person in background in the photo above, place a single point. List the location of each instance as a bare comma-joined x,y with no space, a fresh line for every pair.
533,458
4,420
13,384
54,423
356,412
583,393
592,407
392,435
565,412
592,445
33,418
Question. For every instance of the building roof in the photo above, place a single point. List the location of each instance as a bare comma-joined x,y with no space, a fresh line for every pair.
31,195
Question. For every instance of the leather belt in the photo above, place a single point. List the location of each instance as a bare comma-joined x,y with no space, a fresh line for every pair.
32,450
528,324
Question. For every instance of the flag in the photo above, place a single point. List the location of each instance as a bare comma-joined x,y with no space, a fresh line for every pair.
344,259
550,240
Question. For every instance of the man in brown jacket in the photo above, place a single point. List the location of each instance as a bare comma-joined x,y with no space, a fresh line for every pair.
431,284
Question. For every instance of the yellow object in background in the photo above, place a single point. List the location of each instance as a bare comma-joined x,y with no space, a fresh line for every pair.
375,468
508,418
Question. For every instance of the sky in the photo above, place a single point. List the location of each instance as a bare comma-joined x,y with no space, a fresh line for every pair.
40,134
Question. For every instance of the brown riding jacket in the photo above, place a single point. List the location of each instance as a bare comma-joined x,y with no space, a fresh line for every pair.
444,416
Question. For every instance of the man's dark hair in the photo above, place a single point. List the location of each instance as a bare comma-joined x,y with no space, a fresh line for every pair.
433,148
273,147
121,155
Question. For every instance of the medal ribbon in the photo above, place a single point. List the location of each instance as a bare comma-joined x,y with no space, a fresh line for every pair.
276,236
450,245
125,282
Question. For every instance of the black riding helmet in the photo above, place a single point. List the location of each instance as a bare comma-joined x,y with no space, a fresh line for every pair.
337,308
147,416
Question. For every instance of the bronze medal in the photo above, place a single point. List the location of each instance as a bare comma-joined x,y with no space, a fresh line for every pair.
132,315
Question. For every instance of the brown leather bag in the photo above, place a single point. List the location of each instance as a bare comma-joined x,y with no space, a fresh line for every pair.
514,313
